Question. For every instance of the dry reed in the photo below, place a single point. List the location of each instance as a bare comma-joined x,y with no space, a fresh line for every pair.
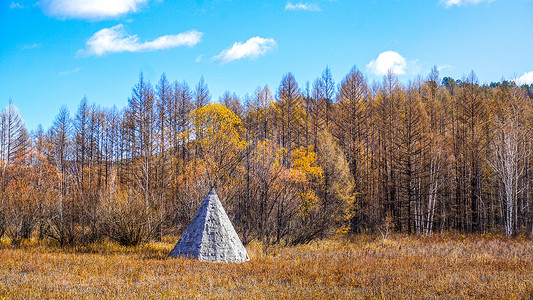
440,266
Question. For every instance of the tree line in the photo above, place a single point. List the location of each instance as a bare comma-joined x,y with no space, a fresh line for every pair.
299,163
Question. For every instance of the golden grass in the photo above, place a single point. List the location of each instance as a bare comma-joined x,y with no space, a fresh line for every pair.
442,266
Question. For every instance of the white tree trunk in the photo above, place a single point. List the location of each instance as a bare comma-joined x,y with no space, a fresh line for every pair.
509,154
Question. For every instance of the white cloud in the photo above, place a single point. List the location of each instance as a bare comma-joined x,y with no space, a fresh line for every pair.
388,60
115,39
69,72
252,48
199,58
31,46
302,6
527,78
444,67
90,9
16,5
450,3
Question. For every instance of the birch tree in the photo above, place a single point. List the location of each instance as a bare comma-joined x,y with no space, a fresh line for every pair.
510,152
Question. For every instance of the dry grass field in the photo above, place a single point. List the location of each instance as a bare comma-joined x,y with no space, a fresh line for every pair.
442,266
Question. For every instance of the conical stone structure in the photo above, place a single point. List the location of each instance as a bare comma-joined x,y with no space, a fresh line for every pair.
210,236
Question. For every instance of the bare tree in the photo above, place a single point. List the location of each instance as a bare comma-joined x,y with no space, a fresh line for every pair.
510,151
290,115
14,138
202,96
61,224
142,114
328,86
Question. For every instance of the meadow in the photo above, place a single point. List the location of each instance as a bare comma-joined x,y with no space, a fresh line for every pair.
357,267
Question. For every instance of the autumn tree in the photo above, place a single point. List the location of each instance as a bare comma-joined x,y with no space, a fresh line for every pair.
84,147
436,102
63,214
289,114
232,102
162,181
350,130
14,138
510,152
337,211
431,155
201,94
470,142
141,117
20,203
314,111
259,118
328,95
219,140
388,99
412,143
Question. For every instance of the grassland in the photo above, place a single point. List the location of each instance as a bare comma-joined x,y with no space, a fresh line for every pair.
441,266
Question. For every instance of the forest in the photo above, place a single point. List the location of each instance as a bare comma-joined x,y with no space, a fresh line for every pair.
290,165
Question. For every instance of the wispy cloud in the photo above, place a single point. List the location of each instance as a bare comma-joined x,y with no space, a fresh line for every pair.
199,58
31,46
115,39
16,5
252,49
302,6
69,72
527,78
388,60
450,3
93,9
444,67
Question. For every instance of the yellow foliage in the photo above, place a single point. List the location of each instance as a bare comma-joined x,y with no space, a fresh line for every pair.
305,161
121,197
216,132
214,125
308,202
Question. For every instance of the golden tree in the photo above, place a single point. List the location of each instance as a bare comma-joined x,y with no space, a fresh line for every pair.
217,134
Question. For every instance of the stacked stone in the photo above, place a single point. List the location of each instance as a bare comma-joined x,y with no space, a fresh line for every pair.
211,236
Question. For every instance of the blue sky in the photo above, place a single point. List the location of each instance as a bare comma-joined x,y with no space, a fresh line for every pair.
55,52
